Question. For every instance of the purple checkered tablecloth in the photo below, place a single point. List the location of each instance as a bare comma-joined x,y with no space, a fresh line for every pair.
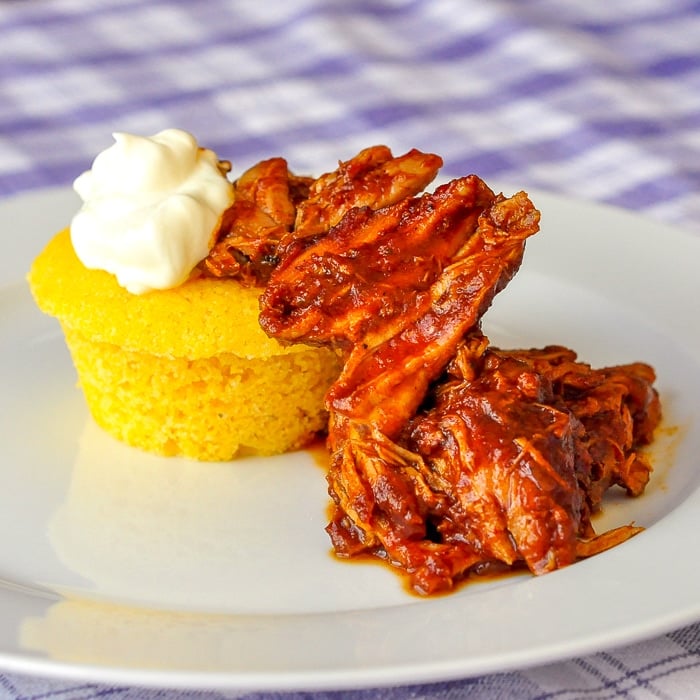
596,100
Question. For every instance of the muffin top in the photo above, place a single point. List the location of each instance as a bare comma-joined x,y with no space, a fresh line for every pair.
200,318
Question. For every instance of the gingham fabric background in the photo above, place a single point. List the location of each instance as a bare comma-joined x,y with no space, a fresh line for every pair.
595,99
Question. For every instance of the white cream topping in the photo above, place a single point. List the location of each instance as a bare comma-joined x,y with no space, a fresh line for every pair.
150,206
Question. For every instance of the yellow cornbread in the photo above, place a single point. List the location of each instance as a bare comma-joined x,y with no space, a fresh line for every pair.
184,371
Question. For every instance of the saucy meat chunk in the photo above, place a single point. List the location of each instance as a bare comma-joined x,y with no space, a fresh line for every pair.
504,468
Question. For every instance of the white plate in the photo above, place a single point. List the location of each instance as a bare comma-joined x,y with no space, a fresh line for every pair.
121,567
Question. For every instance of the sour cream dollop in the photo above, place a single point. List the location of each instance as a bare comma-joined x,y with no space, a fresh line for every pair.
150,207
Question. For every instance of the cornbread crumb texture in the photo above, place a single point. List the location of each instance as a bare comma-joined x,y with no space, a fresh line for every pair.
159,322
207,409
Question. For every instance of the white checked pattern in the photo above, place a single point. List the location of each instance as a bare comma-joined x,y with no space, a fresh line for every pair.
601,103
600,100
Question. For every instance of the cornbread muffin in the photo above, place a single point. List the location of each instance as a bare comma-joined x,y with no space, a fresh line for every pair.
182,371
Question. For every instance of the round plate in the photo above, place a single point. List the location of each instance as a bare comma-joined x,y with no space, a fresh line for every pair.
118,566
